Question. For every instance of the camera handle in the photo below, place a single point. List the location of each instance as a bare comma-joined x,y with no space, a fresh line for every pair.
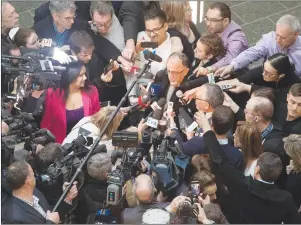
78,170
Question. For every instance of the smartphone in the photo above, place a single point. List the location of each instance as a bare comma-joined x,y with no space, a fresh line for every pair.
227,87
194,187
109,67
149,44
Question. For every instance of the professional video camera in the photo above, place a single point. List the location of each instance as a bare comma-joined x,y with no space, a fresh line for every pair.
73,154
127,167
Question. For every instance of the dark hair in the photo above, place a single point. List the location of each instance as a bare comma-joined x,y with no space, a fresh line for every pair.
155,13
80,39
102,8
282,64
201,162
295,90
70,75
214,44
265,92
270,166
222,119
204,179
214,212
183,57
17,174
21,36
224,9
46,156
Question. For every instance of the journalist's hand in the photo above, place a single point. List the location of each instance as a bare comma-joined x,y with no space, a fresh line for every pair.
107,77
224,72
172,207
72,193
126,64
228,101
46,42
142,126
129,50
189,95
53,216
201,71
202,216
204,201
202,121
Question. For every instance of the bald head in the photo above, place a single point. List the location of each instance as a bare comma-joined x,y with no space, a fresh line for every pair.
261,106
144,189
10,18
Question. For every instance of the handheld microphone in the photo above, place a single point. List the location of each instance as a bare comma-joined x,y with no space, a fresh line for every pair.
179,95
188,120
148,55
152,120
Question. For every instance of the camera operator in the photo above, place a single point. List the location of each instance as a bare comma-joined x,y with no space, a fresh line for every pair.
28,38
28,205
110,85
92,196
43,159
10,19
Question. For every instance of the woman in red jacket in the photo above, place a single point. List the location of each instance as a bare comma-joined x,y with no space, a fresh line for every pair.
67,105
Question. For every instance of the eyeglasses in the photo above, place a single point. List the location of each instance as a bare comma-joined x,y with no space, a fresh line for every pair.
99,25
267,73
206,19
155,31
174,72
70,18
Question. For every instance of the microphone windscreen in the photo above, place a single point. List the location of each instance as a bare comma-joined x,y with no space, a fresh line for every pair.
100,149
179,94
162,102
157,114
186,116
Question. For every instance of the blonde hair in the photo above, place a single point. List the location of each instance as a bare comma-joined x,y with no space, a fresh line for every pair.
100,118
175,13
292,146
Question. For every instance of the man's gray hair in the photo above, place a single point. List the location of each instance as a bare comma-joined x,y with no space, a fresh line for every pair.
61,6
102,8
214,95
291,21
263,106
99,165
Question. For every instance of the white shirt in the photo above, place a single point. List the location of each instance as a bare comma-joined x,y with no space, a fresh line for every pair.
251,170
164,51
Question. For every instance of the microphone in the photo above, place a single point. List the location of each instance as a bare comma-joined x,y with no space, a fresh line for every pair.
152,120
148,75
179,95
142,101
188,120
151,56
149,44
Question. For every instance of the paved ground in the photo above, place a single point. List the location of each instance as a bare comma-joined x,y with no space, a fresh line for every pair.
255,17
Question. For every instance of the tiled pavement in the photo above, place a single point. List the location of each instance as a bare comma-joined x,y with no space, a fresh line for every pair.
255,17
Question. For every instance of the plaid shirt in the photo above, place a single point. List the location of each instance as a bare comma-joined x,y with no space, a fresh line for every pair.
35,205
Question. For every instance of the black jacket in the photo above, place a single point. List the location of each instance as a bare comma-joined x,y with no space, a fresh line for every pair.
112,91
293,185
273,142
288,127
82,11
45,29
256,202
131,17
134,215
187,46
91,197
18,211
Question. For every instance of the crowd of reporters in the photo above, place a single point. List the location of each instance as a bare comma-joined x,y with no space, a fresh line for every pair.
202,137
